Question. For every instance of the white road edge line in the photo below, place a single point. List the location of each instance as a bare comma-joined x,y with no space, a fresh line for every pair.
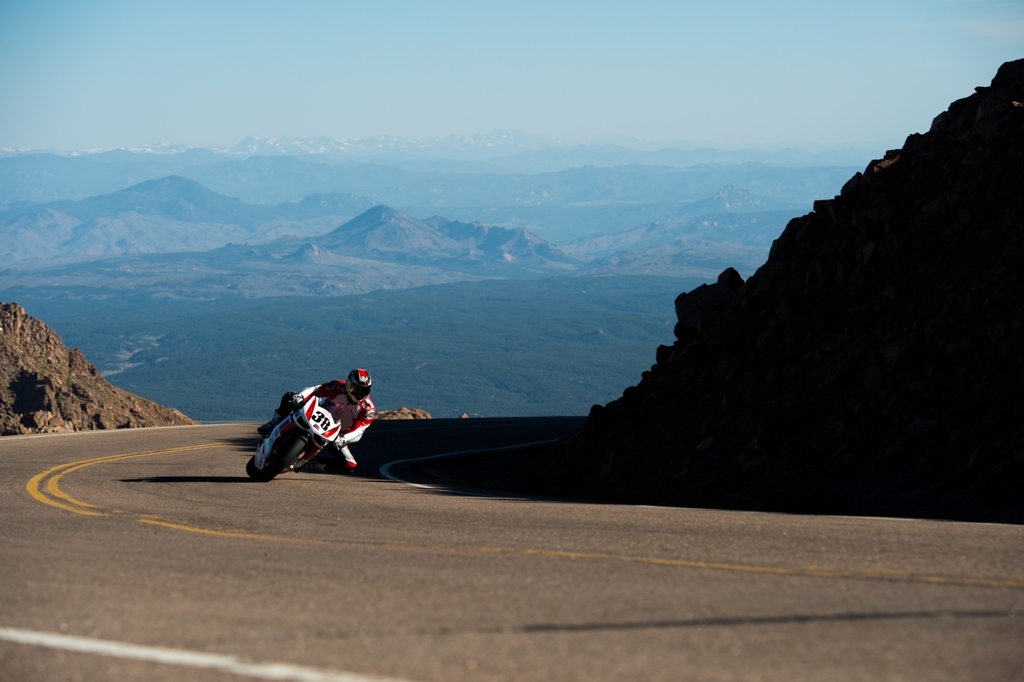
386,469
182,657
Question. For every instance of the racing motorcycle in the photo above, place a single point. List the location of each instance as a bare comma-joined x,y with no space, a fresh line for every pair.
295,441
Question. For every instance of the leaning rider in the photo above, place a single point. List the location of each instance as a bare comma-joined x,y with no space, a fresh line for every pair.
349,403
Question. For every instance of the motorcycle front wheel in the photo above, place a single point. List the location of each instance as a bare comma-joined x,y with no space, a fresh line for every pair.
250,468
285,453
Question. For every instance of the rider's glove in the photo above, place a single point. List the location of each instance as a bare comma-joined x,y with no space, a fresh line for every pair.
287,405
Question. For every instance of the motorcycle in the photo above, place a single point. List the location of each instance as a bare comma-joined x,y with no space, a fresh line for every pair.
295,441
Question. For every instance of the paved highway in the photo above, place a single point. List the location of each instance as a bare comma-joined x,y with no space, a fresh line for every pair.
148,555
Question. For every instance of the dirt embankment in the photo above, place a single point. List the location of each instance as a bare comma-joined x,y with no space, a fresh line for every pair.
46,388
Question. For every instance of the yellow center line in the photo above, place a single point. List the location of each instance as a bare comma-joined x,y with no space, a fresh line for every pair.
65,502
54,474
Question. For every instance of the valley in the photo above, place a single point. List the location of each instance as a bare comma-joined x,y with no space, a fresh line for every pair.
491,348
492,285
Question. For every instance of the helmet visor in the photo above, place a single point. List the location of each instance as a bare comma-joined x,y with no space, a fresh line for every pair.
355,391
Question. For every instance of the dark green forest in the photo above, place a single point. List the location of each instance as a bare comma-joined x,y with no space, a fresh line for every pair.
490,348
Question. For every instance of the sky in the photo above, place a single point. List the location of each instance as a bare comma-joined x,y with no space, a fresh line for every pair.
814,74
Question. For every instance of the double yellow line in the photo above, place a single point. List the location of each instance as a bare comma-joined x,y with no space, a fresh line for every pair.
55,497
45,487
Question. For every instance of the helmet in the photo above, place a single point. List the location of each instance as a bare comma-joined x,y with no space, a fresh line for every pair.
357,386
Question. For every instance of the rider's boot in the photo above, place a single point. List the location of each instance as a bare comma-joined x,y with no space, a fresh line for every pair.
289,403
331,460
348,462
269,426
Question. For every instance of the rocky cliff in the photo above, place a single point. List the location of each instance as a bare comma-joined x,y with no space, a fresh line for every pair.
874,364
46,388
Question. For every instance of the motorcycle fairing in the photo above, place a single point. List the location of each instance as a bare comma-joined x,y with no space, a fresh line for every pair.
314,419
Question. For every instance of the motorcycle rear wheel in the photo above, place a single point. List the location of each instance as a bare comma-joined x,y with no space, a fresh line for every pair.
285,453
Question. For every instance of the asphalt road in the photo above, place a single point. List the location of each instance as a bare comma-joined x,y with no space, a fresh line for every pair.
354,578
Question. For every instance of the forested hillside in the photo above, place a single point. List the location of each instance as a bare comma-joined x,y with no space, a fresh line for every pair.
492,348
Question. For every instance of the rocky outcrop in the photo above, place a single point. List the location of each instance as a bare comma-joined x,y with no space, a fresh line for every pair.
873,364
46,388
403,413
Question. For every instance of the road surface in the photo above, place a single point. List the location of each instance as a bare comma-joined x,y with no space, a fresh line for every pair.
148,555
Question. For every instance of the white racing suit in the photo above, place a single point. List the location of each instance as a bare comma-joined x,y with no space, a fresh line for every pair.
354,418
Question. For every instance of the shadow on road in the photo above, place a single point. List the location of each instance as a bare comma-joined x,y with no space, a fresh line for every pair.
243,443
515,474
765,620
487,460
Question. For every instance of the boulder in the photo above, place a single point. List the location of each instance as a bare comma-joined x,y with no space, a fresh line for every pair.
403,413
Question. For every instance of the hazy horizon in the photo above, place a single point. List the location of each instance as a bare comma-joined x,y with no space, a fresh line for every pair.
78,76
632,143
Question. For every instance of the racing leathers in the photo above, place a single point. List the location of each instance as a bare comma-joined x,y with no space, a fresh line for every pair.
354,418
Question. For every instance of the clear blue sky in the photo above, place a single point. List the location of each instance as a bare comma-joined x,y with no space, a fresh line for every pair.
77,75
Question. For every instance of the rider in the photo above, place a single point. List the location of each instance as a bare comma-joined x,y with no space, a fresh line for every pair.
349,403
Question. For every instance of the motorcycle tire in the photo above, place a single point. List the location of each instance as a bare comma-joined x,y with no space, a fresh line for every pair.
284,455
250,468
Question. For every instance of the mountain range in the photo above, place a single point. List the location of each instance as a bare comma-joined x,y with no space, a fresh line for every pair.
582,195
382,233
272,179
164,215
499,151
174,237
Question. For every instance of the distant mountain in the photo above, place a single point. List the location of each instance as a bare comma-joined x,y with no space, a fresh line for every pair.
214,245
556,158
314,215
273,179
499,151
699,246
43,177
382,233
730,228
686,256
508,245
160,216
558,205
491,145
318,205
379,249
731,199
173,198
753,230
206,238
34,234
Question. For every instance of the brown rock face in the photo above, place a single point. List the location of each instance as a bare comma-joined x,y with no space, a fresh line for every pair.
403,413
874,364
46,388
